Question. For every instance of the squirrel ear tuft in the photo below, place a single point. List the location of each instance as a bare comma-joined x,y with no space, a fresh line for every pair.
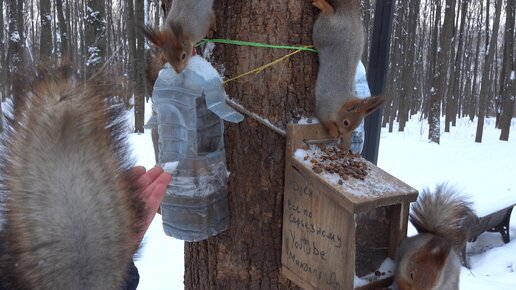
177,30
439,249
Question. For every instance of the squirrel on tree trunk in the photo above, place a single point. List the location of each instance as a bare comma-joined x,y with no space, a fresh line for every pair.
338,36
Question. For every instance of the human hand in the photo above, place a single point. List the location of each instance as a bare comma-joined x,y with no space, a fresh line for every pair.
152,186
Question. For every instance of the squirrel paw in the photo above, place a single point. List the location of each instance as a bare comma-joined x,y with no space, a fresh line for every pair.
332,128
324,6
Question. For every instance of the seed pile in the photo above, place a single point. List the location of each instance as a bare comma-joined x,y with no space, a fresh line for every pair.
334,160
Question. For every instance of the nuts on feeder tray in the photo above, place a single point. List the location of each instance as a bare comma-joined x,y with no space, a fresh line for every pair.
332,159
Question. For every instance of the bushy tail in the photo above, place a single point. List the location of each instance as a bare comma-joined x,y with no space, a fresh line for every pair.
445,213
69,207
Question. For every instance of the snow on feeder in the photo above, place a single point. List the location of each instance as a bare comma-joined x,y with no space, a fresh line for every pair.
190,111
343,217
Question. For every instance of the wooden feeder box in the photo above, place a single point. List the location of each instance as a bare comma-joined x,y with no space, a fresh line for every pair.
332,232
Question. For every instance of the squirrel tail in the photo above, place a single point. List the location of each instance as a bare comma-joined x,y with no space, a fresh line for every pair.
444,212
68,207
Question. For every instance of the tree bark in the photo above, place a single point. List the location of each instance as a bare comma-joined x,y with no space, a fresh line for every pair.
248,254
95,35
484,89
131,43
45,42
16,51
408,72
473,108
507,78
3,64
458,75
434,110
139,90
63,29
450,62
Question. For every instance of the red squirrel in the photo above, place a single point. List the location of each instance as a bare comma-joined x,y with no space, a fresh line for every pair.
187,23
431,259
338,36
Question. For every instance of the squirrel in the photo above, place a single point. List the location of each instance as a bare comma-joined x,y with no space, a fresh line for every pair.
67,197
187,23
338,36
432,259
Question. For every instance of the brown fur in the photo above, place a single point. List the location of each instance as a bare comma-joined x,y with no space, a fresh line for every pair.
70,210
430,260
187,23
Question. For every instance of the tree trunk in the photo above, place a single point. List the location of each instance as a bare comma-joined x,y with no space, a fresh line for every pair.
45,42
131,43
450,24
474,90
63,30
407,80
95,35
507,78
3,64
16,52
458,75
434,110
139,89
484,89
248,254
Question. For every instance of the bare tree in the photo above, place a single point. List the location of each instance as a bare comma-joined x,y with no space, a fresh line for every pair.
507,78
458,65
16,51
45,42
434,111
63,30
95,35
139,92
408,71
484,87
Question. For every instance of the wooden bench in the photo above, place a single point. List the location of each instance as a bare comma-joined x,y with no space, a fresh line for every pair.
497,221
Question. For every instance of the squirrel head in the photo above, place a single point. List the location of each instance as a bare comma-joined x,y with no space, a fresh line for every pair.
424,269
351,114
174,42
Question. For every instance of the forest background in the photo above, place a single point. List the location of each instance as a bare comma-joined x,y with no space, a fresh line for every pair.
448,57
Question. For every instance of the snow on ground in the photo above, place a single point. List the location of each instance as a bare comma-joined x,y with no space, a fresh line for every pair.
486,171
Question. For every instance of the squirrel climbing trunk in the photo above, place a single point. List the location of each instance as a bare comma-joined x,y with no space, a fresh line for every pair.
338,36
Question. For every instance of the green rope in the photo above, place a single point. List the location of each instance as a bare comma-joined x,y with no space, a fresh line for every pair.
257,44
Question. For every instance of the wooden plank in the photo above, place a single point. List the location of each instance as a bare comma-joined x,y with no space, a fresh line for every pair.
399,226
318,236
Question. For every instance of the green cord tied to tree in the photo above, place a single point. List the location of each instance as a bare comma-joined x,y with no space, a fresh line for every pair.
256,44
257,70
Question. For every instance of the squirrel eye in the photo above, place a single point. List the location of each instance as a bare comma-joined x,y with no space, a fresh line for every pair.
183,55
353,108
412,276
346,123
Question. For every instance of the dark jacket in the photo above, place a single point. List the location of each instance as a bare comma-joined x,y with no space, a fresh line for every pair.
132,280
